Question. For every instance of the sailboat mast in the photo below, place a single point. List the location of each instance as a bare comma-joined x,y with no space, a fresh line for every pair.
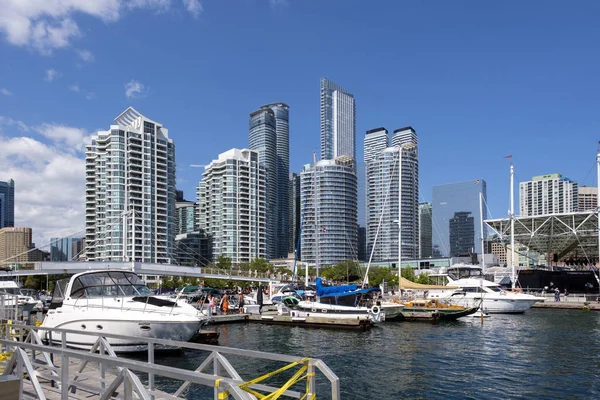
598,212
399,217
482,238
512,225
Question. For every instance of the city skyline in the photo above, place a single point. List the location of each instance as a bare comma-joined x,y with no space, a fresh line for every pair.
470,102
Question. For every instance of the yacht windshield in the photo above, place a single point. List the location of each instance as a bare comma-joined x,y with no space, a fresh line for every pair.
109,284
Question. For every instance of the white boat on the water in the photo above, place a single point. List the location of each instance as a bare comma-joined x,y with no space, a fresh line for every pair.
117,302
475,288
11,292
339,302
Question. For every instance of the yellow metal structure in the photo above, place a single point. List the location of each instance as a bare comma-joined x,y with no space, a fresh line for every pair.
297,377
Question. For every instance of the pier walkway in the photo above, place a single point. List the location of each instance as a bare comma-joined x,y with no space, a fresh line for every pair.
49,372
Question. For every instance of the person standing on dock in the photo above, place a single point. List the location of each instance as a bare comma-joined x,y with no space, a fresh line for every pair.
259,299
556,295
241,302
225,303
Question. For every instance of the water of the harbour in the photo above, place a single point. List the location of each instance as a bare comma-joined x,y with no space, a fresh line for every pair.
542,354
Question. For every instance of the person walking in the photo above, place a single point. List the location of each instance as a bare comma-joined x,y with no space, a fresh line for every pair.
259,299
556,295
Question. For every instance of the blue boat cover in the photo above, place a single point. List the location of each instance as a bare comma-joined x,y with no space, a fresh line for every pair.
340,290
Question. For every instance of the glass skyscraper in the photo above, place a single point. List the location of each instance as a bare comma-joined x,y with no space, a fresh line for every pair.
64,249
130,192
269,136
7,204
455,198
338,121
329,222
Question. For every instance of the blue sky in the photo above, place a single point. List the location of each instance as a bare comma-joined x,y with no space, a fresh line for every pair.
476,80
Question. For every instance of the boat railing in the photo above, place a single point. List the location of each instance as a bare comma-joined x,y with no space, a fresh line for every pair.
101,372
9,307
121,305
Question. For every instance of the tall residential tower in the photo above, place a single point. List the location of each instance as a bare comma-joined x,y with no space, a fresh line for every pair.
269,136
338,121
130,192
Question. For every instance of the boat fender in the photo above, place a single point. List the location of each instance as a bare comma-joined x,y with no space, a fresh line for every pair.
314,310
375,310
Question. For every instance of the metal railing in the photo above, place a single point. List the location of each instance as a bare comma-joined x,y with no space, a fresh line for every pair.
33,360
9,307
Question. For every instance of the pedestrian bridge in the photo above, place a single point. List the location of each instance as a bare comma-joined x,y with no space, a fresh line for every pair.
235,274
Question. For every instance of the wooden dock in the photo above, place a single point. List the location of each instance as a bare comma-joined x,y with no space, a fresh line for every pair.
311,322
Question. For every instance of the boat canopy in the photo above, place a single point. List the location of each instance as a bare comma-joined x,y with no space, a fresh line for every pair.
325,290
406,284
108,284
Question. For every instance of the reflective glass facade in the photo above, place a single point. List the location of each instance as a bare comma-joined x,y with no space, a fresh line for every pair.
453,198
7,204
64,249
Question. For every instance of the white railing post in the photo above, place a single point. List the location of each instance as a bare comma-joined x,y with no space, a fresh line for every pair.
20,374
102,368
151,375
64,368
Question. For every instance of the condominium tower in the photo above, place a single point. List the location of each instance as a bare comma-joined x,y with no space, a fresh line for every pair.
269,137
7,204
338,121
232,206
130,192
329,222
425,230
65,249
548,194
386,167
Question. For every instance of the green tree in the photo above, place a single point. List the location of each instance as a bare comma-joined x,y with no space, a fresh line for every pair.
423,279
260,265
33,282
223,262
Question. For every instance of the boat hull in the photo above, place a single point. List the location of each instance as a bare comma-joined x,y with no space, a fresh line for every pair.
314,309
136,327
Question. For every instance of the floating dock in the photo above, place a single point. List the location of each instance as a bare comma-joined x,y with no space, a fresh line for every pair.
311,322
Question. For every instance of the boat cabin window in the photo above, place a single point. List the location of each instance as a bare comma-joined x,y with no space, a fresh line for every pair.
109,284
477,289
58,294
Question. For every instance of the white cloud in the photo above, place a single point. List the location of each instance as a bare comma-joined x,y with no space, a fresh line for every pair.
49,177
135,89
85,55
90,96
193,7
5,121
47,25
74,88
65,136
52,74
6,92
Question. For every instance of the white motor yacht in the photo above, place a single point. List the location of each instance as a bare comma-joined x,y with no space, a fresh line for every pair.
475,288
117,302
10,292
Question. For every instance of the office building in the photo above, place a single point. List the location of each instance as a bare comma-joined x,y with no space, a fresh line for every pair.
61,249
452,198
7,204
15,247
338,121
587,198
461,230
232,206
130,192
425,230
548,194
329,223
269,137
